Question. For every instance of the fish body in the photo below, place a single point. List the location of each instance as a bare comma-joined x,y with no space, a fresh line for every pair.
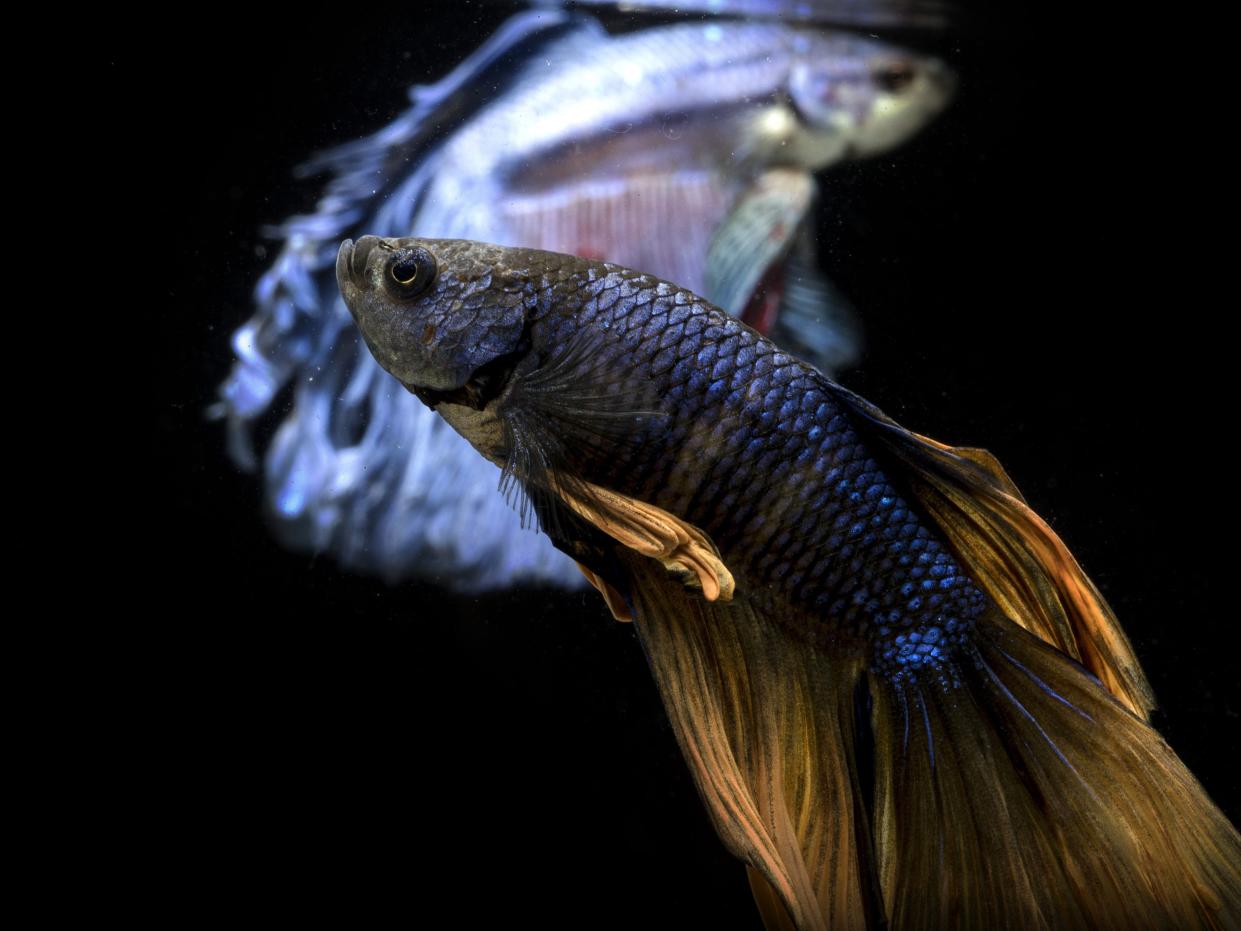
746,442
904,703
685,150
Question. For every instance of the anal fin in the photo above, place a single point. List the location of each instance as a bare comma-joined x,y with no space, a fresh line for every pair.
1012,791
766,722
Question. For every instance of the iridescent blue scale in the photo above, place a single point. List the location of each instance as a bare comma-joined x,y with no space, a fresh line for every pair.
756,451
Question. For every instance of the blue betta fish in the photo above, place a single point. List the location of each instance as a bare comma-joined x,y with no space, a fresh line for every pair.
687,150
903,702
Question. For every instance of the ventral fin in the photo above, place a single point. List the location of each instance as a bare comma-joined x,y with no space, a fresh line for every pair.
684,551
815,321
756,234
1011,552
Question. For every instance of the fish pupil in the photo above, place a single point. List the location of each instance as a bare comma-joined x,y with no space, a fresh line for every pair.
405,271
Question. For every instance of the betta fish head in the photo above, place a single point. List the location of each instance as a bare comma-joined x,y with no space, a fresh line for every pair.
441,315
863,96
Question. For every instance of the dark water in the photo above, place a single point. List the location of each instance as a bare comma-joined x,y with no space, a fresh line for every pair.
330,747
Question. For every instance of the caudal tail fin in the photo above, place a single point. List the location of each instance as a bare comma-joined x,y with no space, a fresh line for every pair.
1026,796
1021,795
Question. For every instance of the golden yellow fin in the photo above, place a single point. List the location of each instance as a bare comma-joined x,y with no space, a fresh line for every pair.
1025,796
1013,791
1009,550
766,724
681,548
611,597
775,915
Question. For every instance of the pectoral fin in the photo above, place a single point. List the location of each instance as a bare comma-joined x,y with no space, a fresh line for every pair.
1010,551
574,399
815,321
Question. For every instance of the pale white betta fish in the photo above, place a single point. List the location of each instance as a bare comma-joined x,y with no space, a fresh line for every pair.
687,151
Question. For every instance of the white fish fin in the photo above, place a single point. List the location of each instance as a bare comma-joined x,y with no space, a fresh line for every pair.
757,234
656,222
816,321
296,298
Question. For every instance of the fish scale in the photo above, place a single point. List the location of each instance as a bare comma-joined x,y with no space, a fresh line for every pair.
821,525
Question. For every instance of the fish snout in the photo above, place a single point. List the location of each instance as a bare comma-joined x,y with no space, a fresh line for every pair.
344,257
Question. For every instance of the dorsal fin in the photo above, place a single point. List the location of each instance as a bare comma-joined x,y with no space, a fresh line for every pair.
383,158
1010,551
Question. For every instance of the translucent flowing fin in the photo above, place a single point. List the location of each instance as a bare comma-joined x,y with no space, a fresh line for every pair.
1009,550
768,727
775,916
437,108
611,597
298,318
1010,790
758,232
1024,796
762,260
816,322
656,221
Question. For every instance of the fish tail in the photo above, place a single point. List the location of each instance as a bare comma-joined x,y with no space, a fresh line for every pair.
1014,791
1011,790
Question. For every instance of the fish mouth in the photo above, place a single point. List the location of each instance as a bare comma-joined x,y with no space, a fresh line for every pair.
344,260
351,260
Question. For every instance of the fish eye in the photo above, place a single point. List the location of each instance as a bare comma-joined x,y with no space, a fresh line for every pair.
893,76
409,272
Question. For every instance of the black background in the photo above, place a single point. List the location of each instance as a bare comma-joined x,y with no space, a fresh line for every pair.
317,745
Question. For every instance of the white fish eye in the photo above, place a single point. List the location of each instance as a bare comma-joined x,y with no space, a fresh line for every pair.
410,272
